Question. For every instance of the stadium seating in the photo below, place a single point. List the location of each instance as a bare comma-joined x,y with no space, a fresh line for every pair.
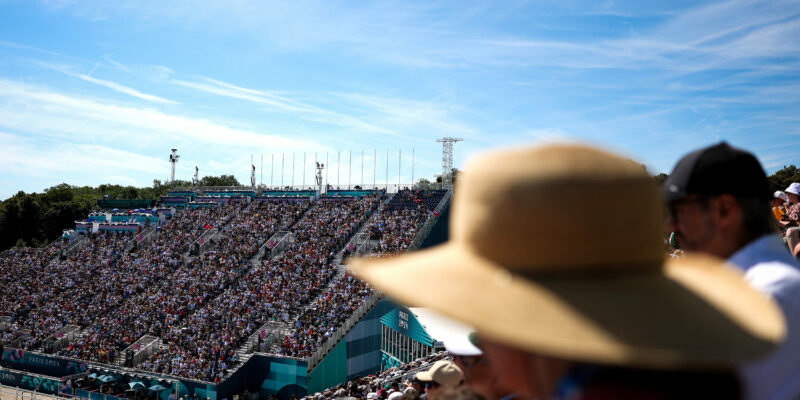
204,307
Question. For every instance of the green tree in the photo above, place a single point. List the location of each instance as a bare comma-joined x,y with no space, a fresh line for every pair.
783,177
423,184
222,180
660,178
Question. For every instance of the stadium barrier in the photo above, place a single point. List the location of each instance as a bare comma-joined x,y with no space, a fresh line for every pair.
139,351
76,244
265,337
28,381
61,339
337,336
429,224
201,244
148,235
13,393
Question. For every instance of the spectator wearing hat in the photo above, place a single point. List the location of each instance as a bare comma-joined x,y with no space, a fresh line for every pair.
461,341
793,218
793,211
566,311
718,199
443,373
779,203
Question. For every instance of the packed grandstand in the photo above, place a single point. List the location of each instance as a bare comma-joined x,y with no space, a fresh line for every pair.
190,296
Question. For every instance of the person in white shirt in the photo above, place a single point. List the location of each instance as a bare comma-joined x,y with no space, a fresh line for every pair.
719,202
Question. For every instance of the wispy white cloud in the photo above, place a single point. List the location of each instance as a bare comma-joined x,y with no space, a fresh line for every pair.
124,89
284,104
411,116
30,160
117,87
107,117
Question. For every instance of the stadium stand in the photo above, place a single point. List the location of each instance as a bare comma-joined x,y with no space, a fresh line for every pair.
195,310
205,346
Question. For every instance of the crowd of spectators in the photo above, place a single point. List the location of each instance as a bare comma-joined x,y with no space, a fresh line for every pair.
45,294
413,199
202,337
206,343
321,319
395,227
382,384
143,283
173,287
205,307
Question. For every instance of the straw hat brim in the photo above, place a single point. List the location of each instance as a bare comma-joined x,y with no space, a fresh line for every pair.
690,312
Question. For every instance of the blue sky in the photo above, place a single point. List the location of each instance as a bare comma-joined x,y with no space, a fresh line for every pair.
99,91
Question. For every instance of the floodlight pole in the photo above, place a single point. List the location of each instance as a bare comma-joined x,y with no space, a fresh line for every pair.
173,159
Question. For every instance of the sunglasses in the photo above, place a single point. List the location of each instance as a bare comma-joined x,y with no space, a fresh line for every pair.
691,199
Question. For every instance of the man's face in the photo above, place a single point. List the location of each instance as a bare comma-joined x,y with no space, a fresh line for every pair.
692,222
431,388
526,374
793,197
479,376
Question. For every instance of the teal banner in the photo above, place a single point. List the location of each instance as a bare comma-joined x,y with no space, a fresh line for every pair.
42,364
405,322
29,382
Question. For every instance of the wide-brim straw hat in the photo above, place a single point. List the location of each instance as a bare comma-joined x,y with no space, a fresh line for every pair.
558,250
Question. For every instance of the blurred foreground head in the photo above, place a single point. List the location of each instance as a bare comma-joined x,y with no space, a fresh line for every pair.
556,259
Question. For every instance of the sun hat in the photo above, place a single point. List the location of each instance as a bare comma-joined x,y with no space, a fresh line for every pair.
443,372
395,395
794,188
453,334
717,169
781,195
558,250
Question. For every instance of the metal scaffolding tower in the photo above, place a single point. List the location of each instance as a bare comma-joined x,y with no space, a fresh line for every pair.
447,159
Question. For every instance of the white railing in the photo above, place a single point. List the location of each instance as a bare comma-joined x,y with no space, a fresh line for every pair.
61,339
80,242
146,236
138,351
272,332
12,393
200,244
278,243
139,239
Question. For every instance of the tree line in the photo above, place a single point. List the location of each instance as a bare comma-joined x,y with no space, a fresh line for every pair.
37,219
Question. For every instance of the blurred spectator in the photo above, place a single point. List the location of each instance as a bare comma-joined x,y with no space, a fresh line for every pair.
443,374
719,200
559,305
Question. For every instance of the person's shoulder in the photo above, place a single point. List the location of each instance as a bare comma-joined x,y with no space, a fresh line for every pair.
779,279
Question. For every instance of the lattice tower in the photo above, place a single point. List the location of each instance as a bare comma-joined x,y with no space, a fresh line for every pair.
447,159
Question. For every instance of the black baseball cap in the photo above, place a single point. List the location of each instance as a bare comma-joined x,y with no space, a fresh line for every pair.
718,169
